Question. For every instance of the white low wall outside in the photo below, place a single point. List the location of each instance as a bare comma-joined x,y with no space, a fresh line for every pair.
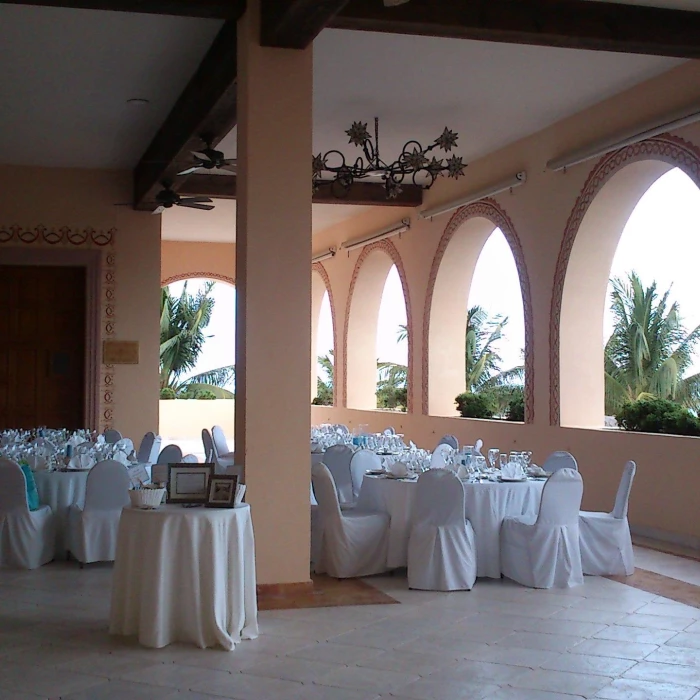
183,419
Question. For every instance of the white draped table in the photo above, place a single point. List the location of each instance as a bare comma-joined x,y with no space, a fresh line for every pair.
185,575
61,490
486,505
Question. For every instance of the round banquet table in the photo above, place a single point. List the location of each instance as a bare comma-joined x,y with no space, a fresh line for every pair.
185,575
61,490
486,505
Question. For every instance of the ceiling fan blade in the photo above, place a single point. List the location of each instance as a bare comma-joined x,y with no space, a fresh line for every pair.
200,155
196,200
158,210
195,205
189,171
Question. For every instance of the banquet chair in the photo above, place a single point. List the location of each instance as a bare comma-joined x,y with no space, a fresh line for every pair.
361,462
211,454
389,431
92,529
170,454
124,445
559,460
450,440
438,460
190,459
352,543
111,436
606,544
221,448
27,538
477,447
441,545
337,458
148,449
544,551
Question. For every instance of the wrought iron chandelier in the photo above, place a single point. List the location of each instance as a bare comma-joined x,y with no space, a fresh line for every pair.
413,164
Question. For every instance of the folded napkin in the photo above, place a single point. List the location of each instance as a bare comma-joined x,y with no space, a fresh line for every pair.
512,470
81,461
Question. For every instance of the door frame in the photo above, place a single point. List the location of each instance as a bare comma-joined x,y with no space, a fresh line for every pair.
91,260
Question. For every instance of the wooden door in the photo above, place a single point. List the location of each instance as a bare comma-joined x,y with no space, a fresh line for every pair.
42,346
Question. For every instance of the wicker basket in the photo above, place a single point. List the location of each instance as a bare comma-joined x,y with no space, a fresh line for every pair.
149,499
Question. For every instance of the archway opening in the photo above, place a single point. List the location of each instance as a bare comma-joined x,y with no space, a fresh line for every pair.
323,360
197,361
581,323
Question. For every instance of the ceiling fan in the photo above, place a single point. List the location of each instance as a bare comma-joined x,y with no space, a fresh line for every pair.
209,158
168,198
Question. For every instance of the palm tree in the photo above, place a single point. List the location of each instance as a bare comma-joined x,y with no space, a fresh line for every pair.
324,387
649,350
182,323
402,333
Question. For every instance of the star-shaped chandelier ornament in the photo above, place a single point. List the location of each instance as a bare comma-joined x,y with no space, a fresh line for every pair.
413,164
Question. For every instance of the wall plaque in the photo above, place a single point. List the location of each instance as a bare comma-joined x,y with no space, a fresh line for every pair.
120,352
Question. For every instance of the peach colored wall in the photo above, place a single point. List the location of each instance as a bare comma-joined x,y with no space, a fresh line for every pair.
539,211
80,199
184,419
185,260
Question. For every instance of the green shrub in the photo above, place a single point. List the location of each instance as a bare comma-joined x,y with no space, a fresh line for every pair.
516,409
657,416
473,406
166,393
205,395
322,401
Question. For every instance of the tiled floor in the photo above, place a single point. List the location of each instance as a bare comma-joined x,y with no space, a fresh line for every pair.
497,642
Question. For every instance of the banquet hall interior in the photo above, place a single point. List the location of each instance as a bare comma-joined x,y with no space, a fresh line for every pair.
546,120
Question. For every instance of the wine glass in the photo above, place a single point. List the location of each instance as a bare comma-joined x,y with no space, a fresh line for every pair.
493,455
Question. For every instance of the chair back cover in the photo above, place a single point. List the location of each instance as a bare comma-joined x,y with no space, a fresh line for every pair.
337,458
389,431
13,488
450,440
325,492
190,459
361,462
439,498
111,436
125,445
561,498
477,447
107,486
170,454
209,450
146,448
560,460
219,439
623,491
438,460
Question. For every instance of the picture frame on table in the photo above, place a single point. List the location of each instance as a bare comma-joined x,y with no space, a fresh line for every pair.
222,491
188,484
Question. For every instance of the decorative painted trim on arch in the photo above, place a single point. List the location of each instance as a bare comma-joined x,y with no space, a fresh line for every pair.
385,246
197,275
64,237
318,267
670,149
491,210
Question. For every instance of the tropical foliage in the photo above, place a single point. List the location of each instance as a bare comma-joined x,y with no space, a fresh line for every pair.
183,321
650,415
472,405
649,351
324,386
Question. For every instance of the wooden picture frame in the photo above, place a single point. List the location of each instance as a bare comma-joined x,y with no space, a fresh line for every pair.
188,484
222,491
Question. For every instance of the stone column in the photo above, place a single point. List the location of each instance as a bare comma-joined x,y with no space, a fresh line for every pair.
273,300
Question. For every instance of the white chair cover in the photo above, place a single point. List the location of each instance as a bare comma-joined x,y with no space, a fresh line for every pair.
450,440
211,454
111,436
170,454
606,544
560,460
389,431
92,530
190,459
220,444
361,462
545,552
352,543
149,449
438,460
27,538
125,445
441,547
477,447
337,458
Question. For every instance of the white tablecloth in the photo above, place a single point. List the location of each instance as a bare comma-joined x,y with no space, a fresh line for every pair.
61,490
185,575
486,505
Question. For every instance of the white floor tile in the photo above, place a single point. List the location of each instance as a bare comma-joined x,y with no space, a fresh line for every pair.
624,689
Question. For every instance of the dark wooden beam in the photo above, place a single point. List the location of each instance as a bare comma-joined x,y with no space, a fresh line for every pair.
294,24
575,24
209,9
362,193
206,107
